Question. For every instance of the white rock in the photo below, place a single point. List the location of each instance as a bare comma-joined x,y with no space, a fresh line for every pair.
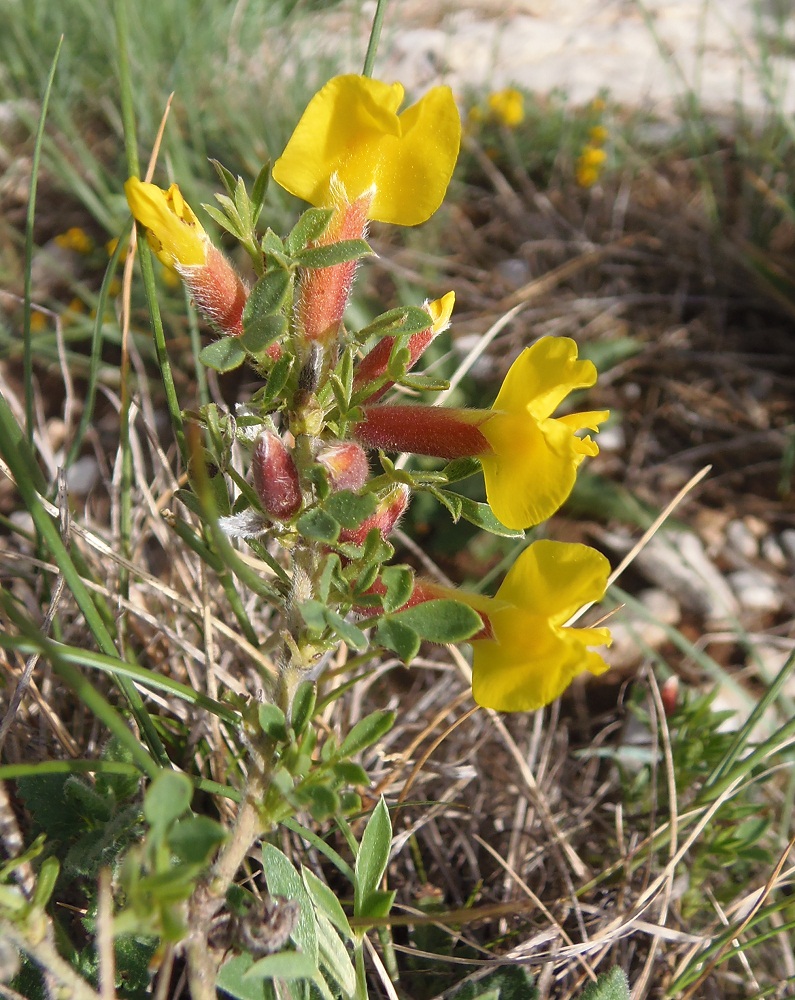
662,606
787,538
612,438
773,553
741,539
514,271
678,563
756,591
82,476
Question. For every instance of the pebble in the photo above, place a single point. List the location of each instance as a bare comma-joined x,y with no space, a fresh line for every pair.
514,271
741,539
787,539
773,553
82,476
756,591
612,438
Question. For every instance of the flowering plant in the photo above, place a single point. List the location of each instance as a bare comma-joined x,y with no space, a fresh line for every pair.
305,498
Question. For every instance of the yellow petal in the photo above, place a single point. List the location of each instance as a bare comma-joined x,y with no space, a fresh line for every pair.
555,579
441,310
351,135
531,660
174,232
529,473
542,376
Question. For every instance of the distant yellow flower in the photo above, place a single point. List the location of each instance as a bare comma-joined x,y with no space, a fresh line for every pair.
38,321
589,166
528,657
173,231
507,107
76,239
351,142
598,135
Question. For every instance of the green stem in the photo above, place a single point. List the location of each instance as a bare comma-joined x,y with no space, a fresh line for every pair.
27,355
375,37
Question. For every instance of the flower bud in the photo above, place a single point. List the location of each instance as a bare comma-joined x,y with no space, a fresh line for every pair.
374,365
346,465
275,477
385,517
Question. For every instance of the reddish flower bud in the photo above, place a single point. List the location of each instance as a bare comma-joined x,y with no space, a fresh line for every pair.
385,517
374,365
217,290
275,477
346,465
669,694
424,430
323,292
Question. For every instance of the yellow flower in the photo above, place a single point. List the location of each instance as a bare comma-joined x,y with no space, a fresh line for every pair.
529,658
351,138
507,107
441,310
533,461
598,135
173,231
76,239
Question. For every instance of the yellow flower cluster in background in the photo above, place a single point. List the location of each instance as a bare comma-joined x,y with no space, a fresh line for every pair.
76,239
505,107
593,157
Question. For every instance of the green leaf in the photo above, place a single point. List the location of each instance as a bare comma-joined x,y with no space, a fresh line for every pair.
366,732
227,177
404,319
424,383
287,965
272,244
259,191
440,621
333,253
399,582
168,797
612,985
261,332
45,882
322,802
331,568
232,980
194,838
223,355
303,706
267,296
481,515
273,723
334,956
231,225
284,880
319,525
398,637
314,614
347,772
377,904
312,224
326,902
350,509
372,856
349,633
461,468
277,380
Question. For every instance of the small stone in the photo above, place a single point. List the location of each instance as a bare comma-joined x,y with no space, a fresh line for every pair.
514,271
662,606
787,538
741,539
773,553
612,438
756,591
82,476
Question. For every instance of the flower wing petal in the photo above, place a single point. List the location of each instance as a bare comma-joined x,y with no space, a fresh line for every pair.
555,579
542,376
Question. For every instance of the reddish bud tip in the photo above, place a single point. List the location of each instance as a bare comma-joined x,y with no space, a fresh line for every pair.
346,465
389,511
275,477
669,694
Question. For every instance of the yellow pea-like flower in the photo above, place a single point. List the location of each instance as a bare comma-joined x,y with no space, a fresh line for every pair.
351,142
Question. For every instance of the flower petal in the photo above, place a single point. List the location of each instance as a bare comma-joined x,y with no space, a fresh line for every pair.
174,232
555,579
542,376
351,135
531,469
